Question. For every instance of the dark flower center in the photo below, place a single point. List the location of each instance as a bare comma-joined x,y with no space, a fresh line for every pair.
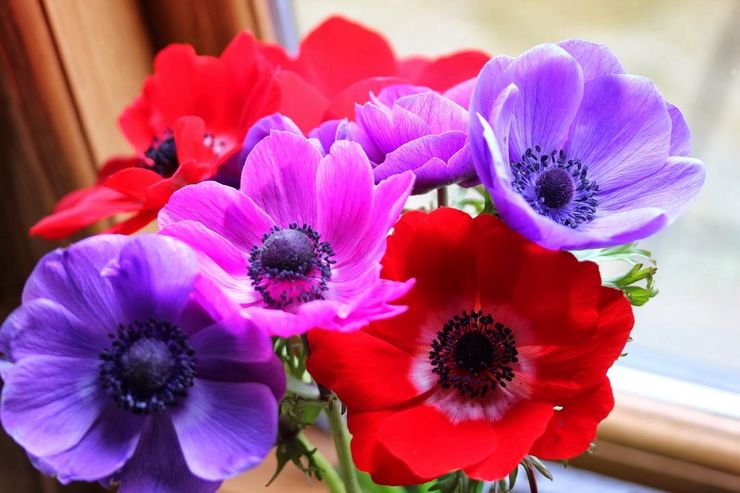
473,354
162,155
288,250
556,187
291,266
148,366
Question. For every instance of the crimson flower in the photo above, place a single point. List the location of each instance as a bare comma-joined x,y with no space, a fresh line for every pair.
223,96
340,62
503,352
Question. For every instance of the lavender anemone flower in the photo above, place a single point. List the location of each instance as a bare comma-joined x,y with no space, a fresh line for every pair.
124,366
300,243
412,128
577,154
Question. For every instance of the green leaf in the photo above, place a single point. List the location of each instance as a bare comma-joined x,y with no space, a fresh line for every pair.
296,452
367,485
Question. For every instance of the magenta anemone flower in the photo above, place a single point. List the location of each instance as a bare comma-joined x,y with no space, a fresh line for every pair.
123,365
300,243
576,153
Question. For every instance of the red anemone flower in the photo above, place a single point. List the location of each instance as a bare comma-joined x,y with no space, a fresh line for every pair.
503,352
227,94
340,62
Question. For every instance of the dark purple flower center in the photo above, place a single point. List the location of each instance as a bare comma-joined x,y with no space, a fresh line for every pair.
473,354
148,366
292,265
162,156
556,187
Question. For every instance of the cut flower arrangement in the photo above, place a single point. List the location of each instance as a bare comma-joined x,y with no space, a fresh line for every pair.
448,349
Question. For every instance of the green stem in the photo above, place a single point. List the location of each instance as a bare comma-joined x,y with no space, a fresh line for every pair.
328,474
340,434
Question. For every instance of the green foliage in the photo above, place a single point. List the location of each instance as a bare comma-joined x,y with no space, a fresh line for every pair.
296,451
638,282
457,482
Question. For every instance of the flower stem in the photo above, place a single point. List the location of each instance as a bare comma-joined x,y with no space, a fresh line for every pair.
328,474
340,434
442,197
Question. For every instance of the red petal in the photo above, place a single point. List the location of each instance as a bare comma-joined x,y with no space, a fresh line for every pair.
372,457
134,223
133,182
446,72
410,67
115,165
431,445
197,160
376,380
90,206
343,104
137,125
339,53
301,101
513,438
572,429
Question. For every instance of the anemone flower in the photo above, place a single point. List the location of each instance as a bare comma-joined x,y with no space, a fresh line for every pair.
300,243
503,352
340,62
123,365
576,153
227,95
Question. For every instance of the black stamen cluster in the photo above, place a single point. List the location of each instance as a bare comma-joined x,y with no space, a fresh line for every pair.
555,186
162,156
148,366
473,354
294,255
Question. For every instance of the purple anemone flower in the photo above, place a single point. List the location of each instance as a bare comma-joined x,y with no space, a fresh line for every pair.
577,154
123,365
300,243
412,128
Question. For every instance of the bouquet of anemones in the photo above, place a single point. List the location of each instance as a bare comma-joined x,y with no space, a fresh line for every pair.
287,280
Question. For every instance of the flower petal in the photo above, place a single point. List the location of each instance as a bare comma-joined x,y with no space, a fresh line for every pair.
71,277
49,403
680,133
44,327
363,383
226,428
550,83
153,277
440,113
622,131
158,465
222,209
280,176
104,449
595,59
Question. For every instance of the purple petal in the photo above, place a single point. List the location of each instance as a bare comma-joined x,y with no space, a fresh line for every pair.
329,132
280,176
226,428
307,316
621,132
221,261
595,59
44,327
104,449
462,93
49,403
263,128
387,129
617,228
459,168
418,153
153,277
391,94
438,112
680,133
550,83
345,195
158,465
72,278
222,209
671,189
368,305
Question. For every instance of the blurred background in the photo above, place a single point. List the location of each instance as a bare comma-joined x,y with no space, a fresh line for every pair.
68,67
